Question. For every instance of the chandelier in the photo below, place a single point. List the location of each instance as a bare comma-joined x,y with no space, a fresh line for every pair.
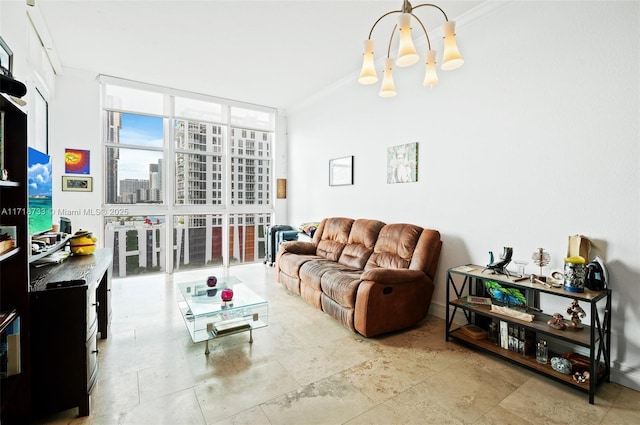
407,54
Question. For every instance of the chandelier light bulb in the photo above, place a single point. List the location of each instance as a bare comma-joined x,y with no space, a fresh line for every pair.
407,54
368,73
387,89
452,58
430,75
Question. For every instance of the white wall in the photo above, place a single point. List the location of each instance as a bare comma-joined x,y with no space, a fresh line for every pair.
74,122
534,139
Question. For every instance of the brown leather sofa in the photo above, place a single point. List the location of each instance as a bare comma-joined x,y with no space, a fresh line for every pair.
372,277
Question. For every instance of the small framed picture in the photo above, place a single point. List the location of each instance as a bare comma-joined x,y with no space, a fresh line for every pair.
341,171
77,184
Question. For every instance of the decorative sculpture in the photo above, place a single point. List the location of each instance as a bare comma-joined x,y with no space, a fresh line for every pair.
500,266
576,313
561,365
541,258
557,322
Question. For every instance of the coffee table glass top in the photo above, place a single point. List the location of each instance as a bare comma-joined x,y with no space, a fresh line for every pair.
207,316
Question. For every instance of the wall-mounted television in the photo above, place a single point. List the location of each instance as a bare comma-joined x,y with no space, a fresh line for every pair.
39,191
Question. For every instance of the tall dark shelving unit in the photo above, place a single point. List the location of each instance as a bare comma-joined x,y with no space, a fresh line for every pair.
14,264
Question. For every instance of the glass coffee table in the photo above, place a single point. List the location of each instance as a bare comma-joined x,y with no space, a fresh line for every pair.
208,317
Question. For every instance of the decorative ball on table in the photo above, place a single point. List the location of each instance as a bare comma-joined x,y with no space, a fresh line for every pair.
227,294
212,281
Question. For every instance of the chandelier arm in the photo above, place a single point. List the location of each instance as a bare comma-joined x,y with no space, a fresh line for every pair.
423,29
432,5
380,18
393,32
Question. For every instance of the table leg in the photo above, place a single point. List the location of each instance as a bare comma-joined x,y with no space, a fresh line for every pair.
250,335
206,347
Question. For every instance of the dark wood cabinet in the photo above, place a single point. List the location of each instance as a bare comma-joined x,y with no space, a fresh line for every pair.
14,262
65,324
58,328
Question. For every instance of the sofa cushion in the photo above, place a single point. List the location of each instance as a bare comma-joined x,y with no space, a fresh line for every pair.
331,237
341,286
362,239
311,272
292,283
395,246
290,263
342,314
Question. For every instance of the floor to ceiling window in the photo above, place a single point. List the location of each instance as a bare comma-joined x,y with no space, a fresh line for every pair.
191,176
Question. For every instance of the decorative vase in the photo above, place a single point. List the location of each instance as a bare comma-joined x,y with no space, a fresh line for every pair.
227,294
212,281
574,273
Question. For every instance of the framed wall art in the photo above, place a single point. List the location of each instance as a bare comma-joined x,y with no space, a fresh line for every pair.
341,171
77,184
402,163
77,161
281,188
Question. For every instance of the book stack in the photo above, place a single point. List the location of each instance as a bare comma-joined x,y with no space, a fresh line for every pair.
517,339
225,328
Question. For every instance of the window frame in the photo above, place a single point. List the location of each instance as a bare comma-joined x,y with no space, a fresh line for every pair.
169,208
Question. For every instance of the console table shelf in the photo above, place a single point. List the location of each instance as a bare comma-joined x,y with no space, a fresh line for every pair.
539,324
529,363
594,337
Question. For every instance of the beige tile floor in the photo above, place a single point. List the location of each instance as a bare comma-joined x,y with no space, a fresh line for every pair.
305,368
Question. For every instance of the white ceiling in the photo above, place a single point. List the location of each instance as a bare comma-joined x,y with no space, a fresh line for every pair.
272,53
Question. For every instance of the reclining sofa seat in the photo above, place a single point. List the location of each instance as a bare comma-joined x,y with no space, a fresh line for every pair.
370,276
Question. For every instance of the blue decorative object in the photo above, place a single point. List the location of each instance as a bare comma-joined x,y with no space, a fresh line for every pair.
561,365
501,295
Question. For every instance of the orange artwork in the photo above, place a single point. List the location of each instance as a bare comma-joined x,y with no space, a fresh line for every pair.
76,161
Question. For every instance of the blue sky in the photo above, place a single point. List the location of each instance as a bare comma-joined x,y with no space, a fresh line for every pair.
139,130
39,173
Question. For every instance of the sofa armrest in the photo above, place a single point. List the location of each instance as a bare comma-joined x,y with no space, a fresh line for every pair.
298,247
392,276
391,299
